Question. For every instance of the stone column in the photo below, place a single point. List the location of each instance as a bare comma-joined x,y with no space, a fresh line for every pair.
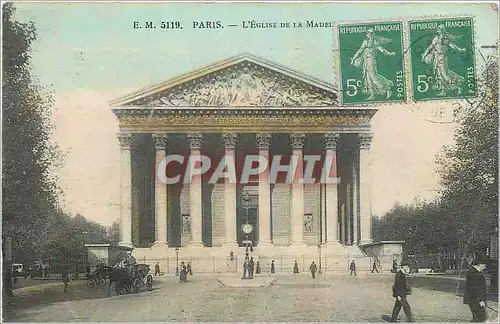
125,191
297,210
365,208
332,213
230,195
348,214
161,202
355,202
263,143
195,195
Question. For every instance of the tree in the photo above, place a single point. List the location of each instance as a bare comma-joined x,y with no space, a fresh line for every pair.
29,191
469,169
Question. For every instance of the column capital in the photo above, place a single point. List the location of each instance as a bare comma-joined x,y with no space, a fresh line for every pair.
160,141
195,140
124,139
230,140
263,141
364,140
331,140
297,140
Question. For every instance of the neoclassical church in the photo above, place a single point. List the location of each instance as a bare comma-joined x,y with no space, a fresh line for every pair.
245,105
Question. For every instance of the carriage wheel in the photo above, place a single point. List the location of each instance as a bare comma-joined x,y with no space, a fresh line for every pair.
119,289
90,283
149,282
135,286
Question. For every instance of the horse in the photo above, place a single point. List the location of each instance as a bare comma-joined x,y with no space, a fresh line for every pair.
125,279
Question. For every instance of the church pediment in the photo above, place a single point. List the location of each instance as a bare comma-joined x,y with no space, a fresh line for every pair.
243,81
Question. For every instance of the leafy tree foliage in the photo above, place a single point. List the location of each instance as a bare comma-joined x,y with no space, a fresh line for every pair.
29,191
466,212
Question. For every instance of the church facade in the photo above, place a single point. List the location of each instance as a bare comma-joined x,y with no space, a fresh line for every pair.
245,105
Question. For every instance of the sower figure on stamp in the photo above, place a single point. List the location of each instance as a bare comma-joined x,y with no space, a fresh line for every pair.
352,267
400,291
475,290
313,269
374,84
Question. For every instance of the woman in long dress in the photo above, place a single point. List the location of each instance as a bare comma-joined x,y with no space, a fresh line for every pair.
436,55
183,273
374,84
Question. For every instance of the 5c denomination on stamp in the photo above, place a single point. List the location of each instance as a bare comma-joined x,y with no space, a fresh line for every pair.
442,59
371,63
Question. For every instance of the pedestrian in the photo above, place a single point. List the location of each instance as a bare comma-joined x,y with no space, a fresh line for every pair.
189,269
183,273
475,290
251,267
87,271
295,267
313,269
400,291
65,278
257,267
374,268
395,266
246,269
273,270
352,267
231,255
157,269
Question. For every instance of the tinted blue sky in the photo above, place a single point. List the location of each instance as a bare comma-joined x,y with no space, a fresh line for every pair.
93,45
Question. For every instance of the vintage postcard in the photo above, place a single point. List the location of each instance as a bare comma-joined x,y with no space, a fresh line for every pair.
249,161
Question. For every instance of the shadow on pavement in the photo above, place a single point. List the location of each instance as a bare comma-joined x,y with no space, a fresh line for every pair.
43,295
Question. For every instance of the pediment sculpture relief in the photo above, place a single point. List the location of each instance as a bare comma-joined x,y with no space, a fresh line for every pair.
247,86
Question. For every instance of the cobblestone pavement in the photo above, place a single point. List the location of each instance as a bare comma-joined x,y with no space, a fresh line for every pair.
291,299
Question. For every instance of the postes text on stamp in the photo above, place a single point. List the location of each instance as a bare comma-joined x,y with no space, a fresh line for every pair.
371,63
442,59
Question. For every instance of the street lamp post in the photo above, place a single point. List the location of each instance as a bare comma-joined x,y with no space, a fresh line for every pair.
247,229
319,256
177,261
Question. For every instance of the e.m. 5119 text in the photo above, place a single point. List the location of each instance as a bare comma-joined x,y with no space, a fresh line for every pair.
157,25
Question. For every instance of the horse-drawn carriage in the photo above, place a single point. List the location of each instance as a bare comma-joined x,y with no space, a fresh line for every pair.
130,279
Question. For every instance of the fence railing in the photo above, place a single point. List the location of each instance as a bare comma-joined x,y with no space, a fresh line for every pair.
282,263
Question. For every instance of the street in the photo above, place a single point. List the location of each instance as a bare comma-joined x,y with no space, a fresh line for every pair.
340,297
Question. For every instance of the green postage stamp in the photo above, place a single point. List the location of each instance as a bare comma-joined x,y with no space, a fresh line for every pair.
371,63
442,59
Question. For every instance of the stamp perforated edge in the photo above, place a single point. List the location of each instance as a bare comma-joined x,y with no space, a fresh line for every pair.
337,70
408,20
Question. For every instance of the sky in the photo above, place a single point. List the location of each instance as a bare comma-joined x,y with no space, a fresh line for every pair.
90,54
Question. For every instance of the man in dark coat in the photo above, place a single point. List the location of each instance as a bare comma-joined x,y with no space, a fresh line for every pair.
189,269
273,270
251,267
475,290
65,278
374,267
295,267
352,267
183,273
400,291
157,269
313,269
